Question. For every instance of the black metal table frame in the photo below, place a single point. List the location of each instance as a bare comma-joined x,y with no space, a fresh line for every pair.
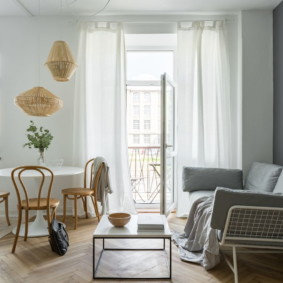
169,265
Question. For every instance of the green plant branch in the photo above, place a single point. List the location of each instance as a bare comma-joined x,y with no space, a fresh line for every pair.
38,138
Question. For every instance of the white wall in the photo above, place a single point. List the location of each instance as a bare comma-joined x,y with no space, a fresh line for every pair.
24,46
257,87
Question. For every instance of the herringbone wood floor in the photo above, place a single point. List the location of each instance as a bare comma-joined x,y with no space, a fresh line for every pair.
34,261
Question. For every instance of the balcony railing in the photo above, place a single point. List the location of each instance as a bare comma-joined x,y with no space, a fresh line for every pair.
144,162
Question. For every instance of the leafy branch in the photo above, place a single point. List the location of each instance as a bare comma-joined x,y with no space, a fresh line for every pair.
38,138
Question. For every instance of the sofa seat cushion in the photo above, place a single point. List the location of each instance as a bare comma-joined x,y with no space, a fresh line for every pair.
196,178
262,177
196,195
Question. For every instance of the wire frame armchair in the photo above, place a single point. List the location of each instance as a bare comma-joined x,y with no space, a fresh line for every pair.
252,227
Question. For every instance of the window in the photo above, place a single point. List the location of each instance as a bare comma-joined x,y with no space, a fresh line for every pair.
136,139
136,98
149,65
146,110
146,139
146,124
136,110
136,124
147,98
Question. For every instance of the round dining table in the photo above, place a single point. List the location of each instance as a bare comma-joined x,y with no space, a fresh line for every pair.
39,226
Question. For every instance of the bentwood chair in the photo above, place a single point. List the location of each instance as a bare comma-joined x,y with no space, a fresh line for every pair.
89,189
42,201
4,197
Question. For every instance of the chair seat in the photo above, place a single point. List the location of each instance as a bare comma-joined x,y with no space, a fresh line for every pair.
78,191
42,205
3,194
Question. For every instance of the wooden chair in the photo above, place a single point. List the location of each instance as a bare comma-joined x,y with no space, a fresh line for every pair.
84,192
43,201
4,197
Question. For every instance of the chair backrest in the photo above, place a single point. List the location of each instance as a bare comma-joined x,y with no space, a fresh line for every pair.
44,185
254,225
88,176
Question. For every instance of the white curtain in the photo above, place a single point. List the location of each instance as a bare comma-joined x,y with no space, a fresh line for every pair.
100,107
206,130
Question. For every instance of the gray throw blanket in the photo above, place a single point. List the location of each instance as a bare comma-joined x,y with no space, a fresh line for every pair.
199,243
104,187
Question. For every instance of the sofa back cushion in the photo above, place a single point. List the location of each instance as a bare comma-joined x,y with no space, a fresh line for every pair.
225,198
262,177
279,185
196,179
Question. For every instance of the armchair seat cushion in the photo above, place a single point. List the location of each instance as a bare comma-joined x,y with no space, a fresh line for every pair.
225,198
196,179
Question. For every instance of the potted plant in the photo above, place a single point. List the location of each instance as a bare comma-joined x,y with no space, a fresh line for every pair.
40,139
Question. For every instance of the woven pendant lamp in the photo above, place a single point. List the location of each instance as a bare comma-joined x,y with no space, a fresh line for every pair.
38,101
60,61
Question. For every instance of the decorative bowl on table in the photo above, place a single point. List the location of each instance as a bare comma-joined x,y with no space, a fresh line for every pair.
119,219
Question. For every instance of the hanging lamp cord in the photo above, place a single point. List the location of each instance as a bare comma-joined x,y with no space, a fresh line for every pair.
91,15
102,9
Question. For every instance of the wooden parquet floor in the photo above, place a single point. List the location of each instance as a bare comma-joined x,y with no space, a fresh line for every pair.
34,261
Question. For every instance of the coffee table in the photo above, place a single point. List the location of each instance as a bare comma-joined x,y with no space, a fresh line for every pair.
106,231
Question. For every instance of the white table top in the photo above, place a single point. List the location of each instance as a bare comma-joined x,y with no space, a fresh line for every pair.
106,230
57,171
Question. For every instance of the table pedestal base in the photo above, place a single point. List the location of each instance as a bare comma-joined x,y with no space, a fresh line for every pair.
37,228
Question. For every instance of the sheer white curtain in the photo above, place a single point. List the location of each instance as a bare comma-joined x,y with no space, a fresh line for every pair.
205,126
100,107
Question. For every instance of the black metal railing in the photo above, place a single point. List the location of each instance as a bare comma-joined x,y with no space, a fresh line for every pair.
144,165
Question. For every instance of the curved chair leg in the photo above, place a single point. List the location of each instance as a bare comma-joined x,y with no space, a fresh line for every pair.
76,211
64,208
7,211
53,215
95,207
26,225
84,205
86,214
17,231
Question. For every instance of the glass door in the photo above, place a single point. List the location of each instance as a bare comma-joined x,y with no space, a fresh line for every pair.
167,145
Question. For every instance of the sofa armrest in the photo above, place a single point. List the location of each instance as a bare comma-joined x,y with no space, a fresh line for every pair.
225,198
196,178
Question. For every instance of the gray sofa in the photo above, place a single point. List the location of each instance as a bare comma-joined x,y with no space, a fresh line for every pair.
262,177
249,215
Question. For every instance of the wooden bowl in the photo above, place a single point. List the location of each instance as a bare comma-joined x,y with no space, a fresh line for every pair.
119,219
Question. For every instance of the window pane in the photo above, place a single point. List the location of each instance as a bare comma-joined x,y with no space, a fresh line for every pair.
146,139
149,65
136,98
146,124
136,124
146,98
146,110
136,110
136,139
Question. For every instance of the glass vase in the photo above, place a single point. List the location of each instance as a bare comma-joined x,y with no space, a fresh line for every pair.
41,157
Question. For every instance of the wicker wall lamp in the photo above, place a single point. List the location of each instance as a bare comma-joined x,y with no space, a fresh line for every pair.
38,101
60,61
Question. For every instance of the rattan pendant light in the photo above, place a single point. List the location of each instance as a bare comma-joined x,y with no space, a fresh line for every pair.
60,61
38,101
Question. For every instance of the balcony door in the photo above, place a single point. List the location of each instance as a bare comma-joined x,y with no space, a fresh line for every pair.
145,116
167,149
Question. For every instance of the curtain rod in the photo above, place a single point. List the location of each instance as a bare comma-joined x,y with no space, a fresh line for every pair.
158,19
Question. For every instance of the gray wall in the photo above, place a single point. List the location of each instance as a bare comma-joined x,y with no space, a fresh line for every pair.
257,87
278,84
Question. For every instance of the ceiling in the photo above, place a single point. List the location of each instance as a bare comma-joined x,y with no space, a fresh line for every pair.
127,7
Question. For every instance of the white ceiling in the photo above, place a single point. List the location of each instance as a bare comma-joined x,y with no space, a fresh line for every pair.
127,7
